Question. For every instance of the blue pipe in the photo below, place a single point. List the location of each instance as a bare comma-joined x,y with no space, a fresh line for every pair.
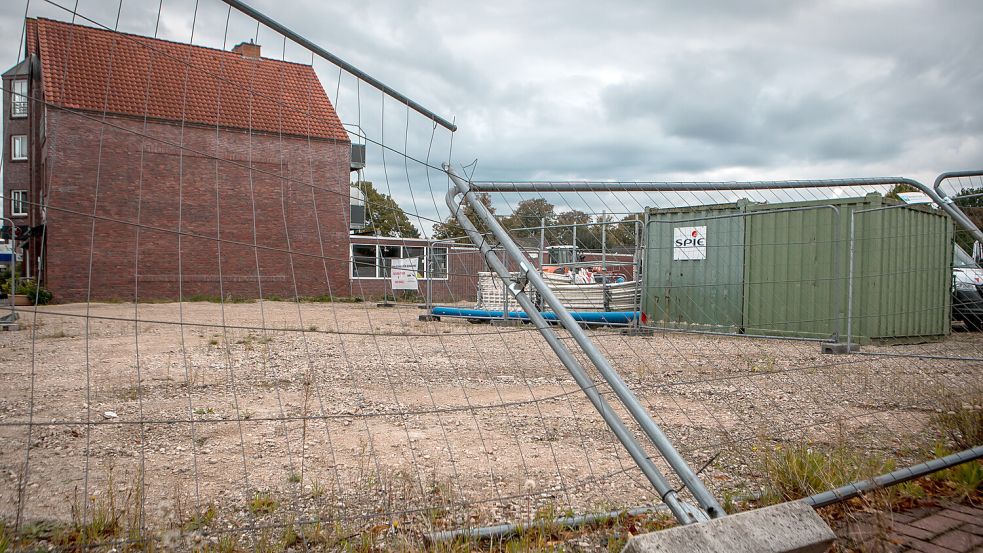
596,317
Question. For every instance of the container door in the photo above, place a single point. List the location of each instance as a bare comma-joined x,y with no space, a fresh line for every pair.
694,265
792,287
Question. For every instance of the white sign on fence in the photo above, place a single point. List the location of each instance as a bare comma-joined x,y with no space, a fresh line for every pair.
404,276
689,243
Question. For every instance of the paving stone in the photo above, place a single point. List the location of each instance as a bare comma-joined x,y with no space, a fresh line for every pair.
926,547
907,542
973,528
937,523
959,515
965,509
957,540
914,532
904,518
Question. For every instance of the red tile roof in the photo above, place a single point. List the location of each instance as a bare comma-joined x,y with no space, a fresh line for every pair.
189,83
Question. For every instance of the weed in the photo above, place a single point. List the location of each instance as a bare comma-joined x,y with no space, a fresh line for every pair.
325,298
105,516
765,365
801,470
204,411
201,520
248,340
312,328
912,490
960,416
217,299
963,481
130,393
966,479
226,544
5,545
262,503
213,342
293,478
265,543
730,502
317,488
290,536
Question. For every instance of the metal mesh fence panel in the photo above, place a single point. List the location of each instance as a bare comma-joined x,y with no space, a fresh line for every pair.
229,358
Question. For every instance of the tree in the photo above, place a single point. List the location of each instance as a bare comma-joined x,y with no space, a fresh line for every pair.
969,197
383,216
622,235
586,237
530,213
451,228
900,189
970,200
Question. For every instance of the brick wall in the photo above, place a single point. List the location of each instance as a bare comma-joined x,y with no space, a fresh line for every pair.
156,221
16,174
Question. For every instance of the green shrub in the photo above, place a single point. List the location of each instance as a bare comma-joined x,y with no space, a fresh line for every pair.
27,287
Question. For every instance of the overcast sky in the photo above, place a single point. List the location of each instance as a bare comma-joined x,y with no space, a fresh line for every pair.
652,90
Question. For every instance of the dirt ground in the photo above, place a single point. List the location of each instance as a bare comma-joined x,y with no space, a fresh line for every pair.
366,413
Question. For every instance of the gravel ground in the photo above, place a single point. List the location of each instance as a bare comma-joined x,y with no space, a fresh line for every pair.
370,415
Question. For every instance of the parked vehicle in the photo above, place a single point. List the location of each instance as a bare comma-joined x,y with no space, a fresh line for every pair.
967,289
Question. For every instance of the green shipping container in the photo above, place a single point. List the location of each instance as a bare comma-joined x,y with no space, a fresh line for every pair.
784,269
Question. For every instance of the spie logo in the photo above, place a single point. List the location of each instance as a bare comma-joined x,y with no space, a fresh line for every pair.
694,239
689,243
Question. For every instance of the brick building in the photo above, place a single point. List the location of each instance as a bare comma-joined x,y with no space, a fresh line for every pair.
145,169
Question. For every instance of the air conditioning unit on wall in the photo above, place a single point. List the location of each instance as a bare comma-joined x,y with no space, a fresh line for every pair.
358,157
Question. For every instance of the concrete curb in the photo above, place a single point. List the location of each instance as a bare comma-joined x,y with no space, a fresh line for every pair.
785,528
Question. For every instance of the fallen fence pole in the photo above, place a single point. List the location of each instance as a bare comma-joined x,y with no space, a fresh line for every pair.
895,477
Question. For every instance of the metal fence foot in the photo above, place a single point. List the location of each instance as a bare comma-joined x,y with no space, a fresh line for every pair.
839,348
638,332
506,322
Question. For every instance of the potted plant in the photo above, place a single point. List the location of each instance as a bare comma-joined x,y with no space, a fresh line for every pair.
28,292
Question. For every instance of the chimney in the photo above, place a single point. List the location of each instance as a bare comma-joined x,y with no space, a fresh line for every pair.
247,49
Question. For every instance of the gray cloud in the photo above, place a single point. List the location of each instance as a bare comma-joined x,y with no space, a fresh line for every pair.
629,90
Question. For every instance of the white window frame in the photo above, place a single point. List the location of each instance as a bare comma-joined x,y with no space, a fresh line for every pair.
18,98
447,256
380,268
18,199
13,149
351,260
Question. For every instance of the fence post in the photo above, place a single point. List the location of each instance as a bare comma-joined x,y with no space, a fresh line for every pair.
604,248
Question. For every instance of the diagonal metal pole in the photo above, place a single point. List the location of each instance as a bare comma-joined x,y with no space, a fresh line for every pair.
321,52
707,502
684,513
